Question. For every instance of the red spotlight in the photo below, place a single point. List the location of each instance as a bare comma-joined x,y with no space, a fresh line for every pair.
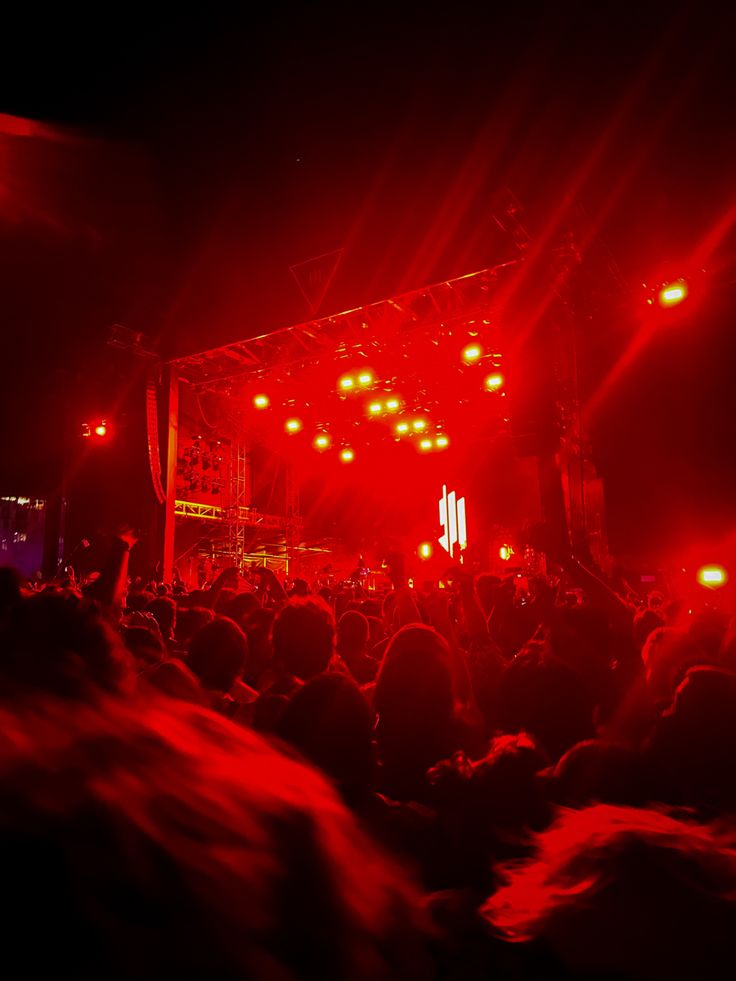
347,382
375,408
494,382
425,445
672,293
392,405
712,576
401,428
293,425
425,550
441,442
419,425
347,455
505,552
101,428
321,441
261,401
472,352
365,378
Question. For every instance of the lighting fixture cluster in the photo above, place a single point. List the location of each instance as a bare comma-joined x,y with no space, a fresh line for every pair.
200,466
391,408
668,294
380,408
474,353
99,428
355,382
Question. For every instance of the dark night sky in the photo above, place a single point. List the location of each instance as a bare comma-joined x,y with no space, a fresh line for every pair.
190,161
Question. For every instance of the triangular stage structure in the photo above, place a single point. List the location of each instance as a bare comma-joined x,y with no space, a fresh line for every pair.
314,277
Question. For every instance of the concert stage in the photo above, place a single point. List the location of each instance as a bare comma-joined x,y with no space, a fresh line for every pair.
427,424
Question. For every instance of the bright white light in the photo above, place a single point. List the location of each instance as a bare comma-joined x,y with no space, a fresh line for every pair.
494,382
472,352
712,576
293,425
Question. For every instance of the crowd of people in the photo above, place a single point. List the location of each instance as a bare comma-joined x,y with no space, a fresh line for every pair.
242,781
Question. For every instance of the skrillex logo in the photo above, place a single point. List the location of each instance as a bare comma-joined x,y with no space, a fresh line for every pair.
452,519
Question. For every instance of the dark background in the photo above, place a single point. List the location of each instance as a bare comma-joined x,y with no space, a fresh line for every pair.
180,165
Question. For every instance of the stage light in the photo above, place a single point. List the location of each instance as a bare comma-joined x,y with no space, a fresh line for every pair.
472,352
261,401
712,576
365,378
402,427
425,444
672,293
321,441
374,408
347,382
101,429
419,425
347,455
441,442
392,405
505,552
425,550
494,382
293,425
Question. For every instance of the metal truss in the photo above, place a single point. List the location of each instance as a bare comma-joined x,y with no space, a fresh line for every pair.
248,517
368,325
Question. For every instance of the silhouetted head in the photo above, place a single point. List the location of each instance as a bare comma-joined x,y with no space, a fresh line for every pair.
152,839
414,700
303,637
594,771
625,893
241,606
645,622
218,654
352,633
58,643
144,644
163,608
329,721
190,620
